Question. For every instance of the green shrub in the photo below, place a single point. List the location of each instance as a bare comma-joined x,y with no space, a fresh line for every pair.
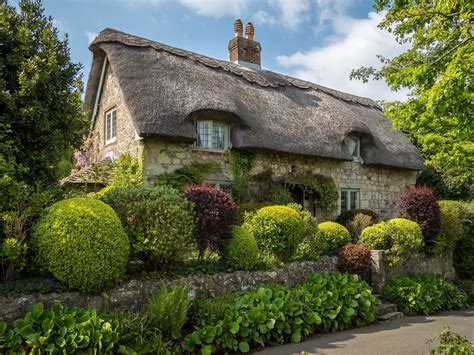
310,222
451,227
82,243
159,222
375,237
127,171
345,217
404,237
277,314
168,309
417,294
137,334
449,342
242,250
189,174
249,208
331,236
464,250
59,331
277,230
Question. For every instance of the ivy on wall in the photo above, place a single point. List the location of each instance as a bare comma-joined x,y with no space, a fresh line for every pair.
241,164
322,185
188,174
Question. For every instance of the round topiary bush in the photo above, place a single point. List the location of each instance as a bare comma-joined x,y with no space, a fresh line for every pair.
330,236
404,236
241,252
216,213
82,243
355,258
158,220
375,237
277,230
419,204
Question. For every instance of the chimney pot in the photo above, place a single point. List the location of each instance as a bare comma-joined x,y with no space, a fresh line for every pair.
244,50
238,28
249,31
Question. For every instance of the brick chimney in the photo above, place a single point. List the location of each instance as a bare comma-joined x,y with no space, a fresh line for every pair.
244,51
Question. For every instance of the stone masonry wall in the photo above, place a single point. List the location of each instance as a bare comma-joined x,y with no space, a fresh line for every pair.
378,186
417,263
127,139
132,295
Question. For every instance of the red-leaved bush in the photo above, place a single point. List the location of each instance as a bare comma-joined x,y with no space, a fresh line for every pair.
216,212
419,205
354,258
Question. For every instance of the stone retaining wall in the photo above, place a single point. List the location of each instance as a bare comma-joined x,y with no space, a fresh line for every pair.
133,294
417,263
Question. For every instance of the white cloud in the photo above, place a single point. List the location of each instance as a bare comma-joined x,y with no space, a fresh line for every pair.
264,18
357,44
90,36
326,10
292,13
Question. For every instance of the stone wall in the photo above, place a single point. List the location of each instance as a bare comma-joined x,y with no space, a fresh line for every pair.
417,263
132,295
378,186
127,139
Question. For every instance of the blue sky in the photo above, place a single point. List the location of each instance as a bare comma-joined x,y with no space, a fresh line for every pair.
316,40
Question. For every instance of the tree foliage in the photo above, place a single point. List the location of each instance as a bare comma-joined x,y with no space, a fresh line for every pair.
41,114
437,69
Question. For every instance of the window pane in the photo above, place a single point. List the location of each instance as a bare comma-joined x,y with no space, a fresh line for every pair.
218,136
203,134
344,202
114,124
353,200
107,126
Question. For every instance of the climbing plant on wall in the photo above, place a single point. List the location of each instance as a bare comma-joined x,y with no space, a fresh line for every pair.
188,174
241,163
323,186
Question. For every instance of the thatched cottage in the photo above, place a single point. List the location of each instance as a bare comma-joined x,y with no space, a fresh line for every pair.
171,107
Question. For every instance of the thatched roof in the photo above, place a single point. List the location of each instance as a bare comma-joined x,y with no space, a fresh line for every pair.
166,88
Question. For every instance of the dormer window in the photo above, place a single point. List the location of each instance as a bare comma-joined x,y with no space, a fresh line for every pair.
353,144
213,135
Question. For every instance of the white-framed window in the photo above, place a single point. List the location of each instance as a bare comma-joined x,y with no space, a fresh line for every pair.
110,126
353,144
350,199
213,135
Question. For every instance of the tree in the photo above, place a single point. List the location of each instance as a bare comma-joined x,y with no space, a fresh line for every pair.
41,114
438,71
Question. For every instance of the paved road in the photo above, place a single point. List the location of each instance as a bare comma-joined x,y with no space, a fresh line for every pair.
407,335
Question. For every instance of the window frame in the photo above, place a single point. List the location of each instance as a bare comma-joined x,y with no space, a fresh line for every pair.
356,157
349,199
211,124
112,116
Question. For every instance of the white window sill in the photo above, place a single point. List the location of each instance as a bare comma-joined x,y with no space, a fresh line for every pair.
110,141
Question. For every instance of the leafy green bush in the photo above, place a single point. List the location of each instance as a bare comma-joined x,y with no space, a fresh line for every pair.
451,227
345,217
249,208
242,252
168,309
396,236
375,237
159,222
277,229
82,243
189,174
310,222
404,237
464,250
331,236
416,294
59,331
277,314
127,171
449,342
